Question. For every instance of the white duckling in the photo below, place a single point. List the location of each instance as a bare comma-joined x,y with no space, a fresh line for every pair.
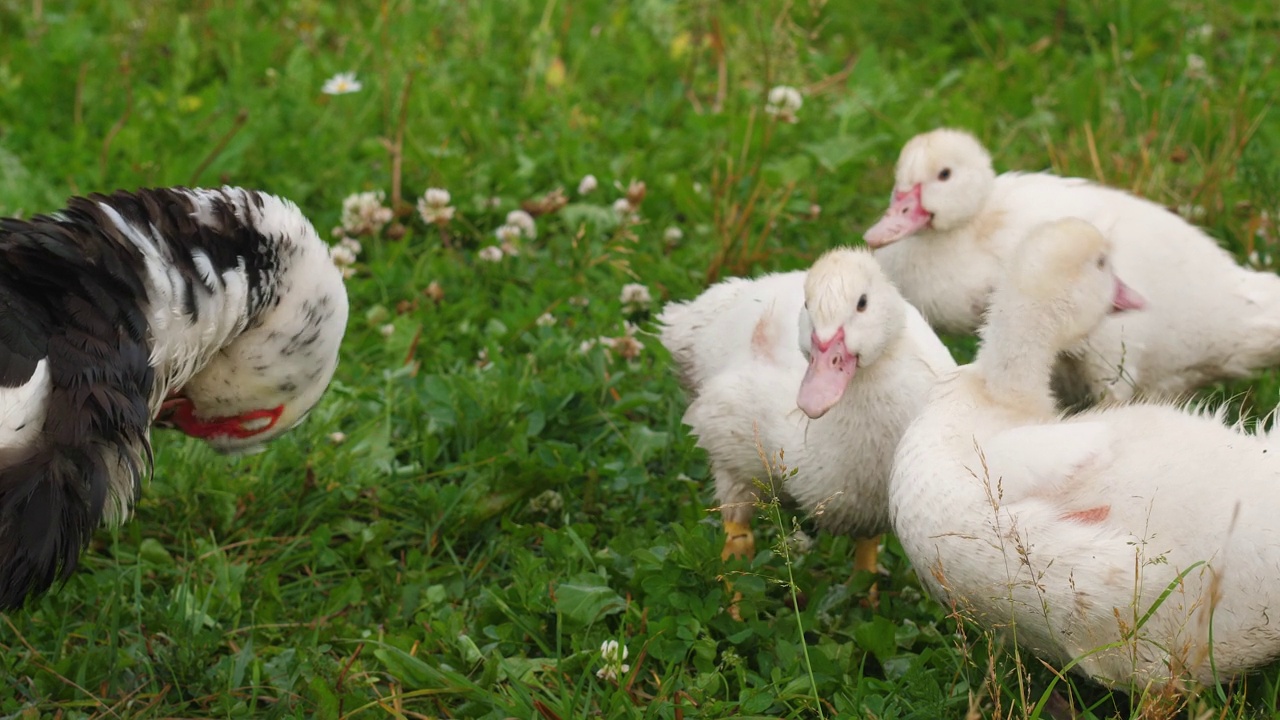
865,363
1110,539
953,223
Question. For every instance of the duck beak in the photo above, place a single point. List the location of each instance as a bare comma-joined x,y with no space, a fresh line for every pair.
905,216
1126,298
831,366
168,409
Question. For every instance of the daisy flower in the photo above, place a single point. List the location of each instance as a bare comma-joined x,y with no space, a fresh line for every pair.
341,84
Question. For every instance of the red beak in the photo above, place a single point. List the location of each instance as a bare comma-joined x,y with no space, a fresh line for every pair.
1126,298
905,216
831,366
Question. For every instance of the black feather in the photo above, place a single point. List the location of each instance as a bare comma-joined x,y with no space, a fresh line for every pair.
73,291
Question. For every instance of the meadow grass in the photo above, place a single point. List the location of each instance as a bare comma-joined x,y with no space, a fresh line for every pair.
506,500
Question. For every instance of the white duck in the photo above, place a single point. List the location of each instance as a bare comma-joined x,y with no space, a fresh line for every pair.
865,362
218,309
953,223
1064,534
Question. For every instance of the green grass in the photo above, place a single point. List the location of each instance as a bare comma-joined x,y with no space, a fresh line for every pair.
405,572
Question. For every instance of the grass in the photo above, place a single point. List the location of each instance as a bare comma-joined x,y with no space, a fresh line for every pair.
503,503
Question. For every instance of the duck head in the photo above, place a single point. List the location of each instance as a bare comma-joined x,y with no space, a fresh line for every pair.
942,180
264,380
852,312
1065,268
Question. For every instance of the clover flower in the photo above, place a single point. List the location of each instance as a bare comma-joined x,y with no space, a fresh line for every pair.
623,208
546,502
634,297
523,221
507,233
625,346
434,207
784,102
364,214
491,253
672,236
613,655
587,185
342,256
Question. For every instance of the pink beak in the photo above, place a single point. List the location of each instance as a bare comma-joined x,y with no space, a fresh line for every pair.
905,216
1126,298
831,366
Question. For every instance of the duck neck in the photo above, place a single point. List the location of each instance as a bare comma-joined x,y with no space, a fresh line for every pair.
209,271
1017,357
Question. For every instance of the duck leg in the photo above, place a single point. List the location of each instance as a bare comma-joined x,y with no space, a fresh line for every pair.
739,541
866,551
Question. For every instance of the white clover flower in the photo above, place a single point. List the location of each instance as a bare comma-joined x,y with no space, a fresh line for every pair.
546,502
623,208
436,197
342,256
672,235
341,84
491,253
634,297
627,346
348,273
364,214
509,248
613,660
337,438
545,320
434,208
587,185
784,102
352,244
1196,66
524,222
507,233
387,330
586,346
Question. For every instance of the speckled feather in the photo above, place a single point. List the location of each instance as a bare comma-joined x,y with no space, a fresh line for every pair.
106,306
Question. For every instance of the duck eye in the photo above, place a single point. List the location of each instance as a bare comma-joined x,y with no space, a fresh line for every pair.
1102,261
862,302
946,173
